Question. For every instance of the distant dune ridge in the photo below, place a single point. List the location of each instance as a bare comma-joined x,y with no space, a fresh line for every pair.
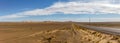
71,33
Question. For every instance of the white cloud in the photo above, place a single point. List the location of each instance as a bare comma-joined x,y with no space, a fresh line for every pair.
74,7
11,16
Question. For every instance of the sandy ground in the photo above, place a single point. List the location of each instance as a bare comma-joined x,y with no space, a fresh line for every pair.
71,34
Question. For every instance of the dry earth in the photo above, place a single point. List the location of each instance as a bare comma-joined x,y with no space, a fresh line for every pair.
63,33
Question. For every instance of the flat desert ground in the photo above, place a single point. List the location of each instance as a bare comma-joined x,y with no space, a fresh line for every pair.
52,32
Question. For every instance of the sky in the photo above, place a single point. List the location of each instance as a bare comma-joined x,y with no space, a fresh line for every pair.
60,10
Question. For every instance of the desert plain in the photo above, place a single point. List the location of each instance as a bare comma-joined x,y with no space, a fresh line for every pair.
55,32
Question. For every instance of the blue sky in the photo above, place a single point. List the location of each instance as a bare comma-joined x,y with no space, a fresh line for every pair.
60,10
14,6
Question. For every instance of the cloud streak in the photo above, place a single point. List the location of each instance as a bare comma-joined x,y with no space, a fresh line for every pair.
73,7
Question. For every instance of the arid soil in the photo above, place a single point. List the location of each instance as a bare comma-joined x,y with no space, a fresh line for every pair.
55,33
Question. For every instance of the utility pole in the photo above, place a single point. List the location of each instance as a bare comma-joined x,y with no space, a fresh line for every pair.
89,20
